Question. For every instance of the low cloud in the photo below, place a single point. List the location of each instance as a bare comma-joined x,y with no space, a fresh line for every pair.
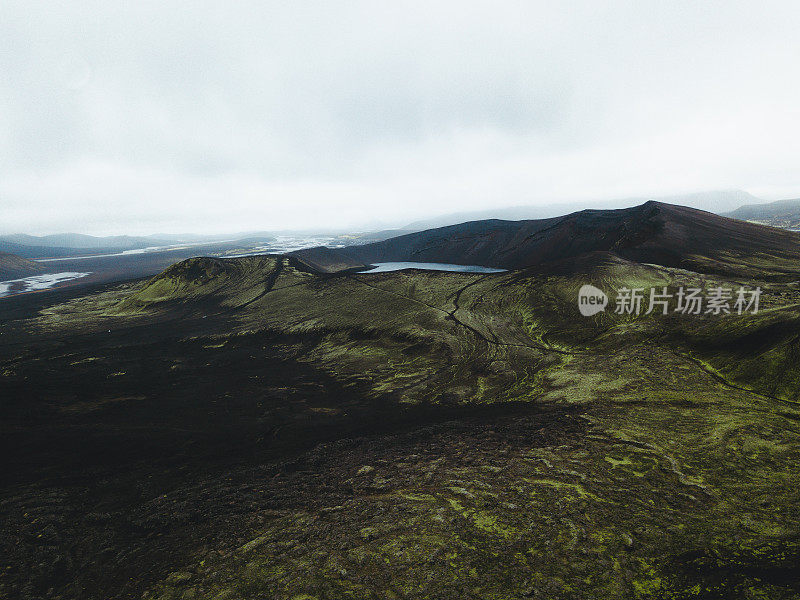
141,118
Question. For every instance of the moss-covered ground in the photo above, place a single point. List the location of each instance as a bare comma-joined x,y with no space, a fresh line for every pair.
238,430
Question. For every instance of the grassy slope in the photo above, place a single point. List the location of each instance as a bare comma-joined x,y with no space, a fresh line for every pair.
512,448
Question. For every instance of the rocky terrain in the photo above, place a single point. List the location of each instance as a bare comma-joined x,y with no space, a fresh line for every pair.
264,428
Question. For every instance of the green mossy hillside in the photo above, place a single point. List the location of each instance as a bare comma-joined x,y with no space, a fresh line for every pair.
245,429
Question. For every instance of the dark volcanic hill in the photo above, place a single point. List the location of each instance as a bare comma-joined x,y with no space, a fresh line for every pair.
717,202
15,267
663,234
253,427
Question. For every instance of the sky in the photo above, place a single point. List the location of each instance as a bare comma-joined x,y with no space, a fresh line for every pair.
212,117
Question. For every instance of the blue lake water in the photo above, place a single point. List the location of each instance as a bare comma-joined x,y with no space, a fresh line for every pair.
398,266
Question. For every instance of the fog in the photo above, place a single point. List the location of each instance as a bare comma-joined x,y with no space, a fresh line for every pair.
214,117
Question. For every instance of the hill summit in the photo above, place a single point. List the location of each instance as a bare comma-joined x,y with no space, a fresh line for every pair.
653,232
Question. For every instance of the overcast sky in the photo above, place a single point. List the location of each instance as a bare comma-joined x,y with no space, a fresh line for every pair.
143,117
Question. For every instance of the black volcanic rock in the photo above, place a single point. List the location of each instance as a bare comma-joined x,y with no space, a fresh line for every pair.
664,234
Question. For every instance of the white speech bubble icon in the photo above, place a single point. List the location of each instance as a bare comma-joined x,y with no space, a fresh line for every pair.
591,300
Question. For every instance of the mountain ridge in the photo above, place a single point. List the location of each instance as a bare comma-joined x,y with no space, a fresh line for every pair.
653,232
714,201
782,213
82,241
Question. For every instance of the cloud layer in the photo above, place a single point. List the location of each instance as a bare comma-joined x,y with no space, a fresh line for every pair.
141,117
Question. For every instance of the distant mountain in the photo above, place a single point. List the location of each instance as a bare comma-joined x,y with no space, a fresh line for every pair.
36,251
16,267
72,244
78,240
654,232
716,201
75,244
783,213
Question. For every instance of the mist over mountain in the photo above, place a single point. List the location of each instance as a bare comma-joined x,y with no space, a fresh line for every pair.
78,240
